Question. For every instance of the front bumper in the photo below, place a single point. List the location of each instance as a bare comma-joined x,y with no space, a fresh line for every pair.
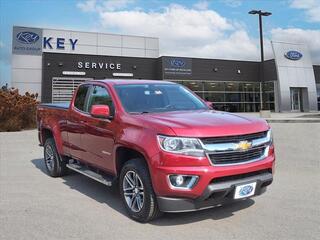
215,194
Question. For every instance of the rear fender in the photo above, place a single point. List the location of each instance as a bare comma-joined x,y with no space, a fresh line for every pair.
55,131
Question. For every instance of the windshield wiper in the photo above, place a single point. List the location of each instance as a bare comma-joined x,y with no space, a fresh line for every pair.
139,112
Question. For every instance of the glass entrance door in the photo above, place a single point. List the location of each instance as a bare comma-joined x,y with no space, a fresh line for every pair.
295,99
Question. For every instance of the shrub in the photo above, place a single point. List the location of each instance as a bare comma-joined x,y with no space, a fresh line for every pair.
17,111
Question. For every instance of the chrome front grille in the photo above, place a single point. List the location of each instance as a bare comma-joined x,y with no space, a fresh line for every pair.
236,157
232,150
237,138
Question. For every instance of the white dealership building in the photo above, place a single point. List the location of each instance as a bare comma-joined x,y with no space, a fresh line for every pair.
53,62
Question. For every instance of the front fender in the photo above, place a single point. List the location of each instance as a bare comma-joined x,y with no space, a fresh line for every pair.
140,140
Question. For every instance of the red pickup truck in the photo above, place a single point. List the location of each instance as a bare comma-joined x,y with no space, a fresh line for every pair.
160,143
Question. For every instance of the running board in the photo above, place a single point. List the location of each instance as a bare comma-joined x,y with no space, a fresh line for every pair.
102,178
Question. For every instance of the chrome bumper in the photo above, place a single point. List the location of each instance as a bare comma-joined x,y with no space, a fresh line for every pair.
215,194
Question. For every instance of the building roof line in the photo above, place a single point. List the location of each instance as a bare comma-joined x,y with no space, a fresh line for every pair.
68,30
293,43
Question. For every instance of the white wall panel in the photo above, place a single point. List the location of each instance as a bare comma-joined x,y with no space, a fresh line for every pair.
26,61
294,73
85,38
132,52
310,79
280,48
80,49
112,51
152,43
152,53
133,42
26,75
56,34
95,43
109,40
84,49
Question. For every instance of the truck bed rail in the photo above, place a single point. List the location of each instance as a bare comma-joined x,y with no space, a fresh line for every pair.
64,105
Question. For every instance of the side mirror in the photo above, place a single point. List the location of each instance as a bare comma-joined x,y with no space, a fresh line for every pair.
100,111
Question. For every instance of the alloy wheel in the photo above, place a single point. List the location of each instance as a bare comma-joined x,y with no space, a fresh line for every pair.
49,157
133,191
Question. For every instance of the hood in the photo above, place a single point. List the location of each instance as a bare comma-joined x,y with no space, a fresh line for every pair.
204,123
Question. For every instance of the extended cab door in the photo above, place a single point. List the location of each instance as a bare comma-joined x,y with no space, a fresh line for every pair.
98,138
75,124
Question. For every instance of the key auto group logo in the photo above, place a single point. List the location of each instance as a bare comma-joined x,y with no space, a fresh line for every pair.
27,37
26,41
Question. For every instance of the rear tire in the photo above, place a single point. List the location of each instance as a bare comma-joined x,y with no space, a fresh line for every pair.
137,192
55,164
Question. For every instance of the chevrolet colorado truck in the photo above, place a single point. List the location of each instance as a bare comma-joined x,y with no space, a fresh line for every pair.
160,143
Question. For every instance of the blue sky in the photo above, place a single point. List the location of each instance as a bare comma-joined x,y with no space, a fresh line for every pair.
215,29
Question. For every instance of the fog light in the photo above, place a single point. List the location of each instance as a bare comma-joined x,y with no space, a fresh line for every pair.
179,180
183,181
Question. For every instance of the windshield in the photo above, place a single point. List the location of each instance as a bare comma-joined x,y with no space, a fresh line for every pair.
149,98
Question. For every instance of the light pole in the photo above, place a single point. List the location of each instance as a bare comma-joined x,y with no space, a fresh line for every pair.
261,13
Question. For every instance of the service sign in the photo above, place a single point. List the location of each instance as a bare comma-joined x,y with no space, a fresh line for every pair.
27,41
177,66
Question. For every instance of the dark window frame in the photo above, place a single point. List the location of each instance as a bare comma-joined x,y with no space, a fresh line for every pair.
113,111
85,100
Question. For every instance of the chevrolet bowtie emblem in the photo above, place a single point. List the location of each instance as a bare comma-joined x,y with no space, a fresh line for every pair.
244,145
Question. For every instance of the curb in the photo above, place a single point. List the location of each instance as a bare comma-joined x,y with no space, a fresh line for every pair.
293,120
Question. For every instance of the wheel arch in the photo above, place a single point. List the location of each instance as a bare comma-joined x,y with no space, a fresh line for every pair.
50,133
124,154
45,134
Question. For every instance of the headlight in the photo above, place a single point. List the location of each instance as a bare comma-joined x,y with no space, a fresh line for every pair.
178,145
270,136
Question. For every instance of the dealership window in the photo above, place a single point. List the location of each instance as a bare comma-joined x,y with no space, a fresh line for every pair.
233,96
268,96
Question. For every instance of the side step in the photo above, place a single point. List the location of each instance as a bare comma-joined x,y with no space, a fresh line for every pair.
102,178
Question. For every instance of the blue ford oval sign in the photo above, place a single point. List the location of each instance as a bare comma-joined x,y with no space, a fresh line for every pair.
27,37
293,55
246,190
177,62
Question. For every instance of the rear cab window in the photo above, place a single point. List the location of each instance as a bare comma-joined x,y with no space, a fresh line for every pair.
80,100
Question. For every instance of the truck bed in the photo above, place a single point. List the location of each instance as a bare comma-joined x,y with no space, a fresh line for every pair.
52,115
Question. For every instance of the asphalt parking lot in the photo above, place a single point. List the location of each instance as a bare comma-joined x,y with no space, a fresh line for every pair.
36,206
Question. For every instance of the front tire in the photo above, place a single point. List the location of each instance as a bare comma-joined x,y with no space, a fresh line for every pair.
55,164
136,191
